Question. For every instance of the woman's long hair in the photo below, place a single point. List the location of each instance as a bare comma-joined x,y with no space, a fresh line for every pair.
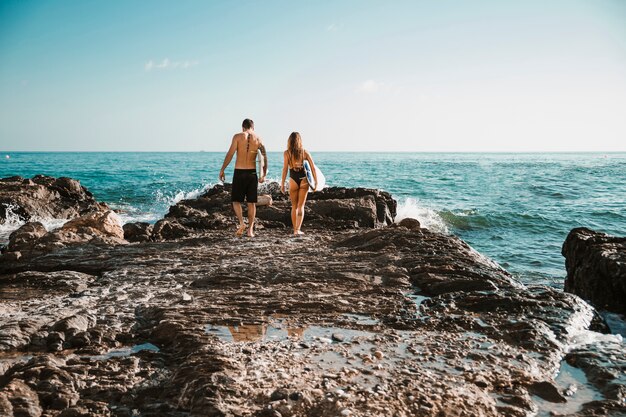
294,147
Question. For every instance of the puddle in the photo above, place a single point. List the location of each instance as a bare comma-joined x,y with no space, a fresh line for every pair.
362,319
7,360
279,331
127,351
418,300
573,385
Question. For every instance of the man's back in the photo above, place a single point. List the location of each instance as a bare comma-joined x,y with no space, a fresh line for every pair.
248,145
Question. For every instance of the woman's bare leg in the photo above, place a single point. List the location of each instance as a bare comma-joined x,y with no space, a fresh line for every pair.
302,194
293,194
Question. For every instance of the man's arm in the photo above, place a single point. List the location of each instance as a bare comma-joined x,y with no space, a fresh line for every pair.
228,158
262,149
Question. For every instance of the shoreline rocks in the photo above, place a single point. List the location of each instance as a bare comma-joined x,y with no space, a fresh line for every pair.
596,268
353,318
43,197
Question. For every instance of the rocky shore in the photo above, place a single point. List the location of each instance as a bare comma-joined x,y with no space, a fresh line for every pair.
359,317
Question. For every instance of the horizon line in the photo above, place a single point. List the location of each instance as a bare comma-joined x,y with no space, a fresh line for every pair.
375,151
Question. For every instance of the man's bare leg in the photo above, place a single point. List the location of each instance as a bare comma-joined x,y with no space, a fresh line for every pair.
239,214
251,216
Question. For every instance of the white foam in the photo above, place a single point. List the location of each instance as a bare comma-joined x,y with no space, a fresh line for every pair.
14,222
188,195
427,217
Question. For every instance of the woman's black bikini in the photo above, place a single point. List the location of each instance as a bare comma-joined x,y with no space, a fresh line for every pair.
296,173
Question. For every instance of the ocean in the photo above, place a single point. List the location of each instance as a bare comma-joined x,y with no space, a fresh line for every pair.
515,208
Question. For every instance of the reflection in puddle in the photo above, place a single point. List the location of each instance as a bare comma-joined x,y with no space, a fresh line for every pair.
8,359
418,300
362,319
573,384
281,331
127,351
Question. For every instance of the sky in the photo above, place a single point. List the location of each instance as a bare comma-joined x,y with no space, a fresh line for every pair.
397,76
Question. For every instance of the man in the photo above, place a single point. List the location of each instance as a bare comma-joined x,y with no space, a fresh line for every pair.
246,145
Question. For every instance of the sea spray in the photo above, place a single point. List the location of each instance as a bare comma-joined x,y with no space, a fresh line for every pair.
13,222
428,218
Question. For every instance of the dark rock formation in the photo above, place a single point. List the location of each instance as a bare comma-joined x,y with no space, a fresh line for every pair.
333,208
137,232
596,268
43,197
350,319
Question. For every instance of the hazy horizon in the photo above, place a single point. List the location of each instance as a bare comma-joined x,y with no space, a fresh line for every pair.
486,76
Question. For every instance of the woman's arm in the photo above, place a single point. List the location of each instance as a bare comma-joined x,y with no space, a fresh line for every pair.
284,177
310,159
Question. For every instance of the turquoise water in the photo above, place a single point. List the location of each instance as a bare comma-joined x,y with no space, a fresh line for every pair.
514,208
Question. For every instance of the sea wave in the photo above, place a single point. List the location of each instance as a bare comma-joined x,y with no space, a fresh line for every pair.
428,218
465,219
13,222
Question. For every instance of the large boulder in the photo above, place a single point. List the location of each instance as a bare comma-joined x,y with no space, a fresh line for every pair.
99,227
596,268
43,197
137,232
26,236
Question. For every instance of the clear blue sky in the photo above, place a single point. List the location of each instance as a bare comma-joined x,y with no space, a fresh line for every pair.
349,75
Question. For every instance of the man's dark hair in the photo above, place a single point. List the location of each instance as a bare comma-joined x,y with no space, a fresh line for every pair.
247,124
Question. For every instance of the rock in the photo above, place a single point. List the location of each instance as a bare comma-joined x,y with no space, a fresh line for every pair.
295,396
596,268
24,401
169,229
333,208
279,394
101,224
137,232
337,337
99,227
197,322
45,197
74,324
547,391
55,341
24,238
410,223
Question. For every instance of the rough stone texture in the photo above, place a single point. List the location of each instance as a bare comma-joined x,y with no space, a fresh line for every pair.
333,208
137,232
106,224
211,307
43,197
99,227
596,268
26,237
350,319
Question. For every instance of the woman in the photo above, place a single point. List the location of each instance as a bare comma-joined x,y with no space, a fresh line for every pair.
294,158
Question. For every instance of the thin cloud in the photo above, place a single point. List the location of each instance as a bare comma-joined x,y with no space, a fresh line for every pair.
333,27
370,86
166,64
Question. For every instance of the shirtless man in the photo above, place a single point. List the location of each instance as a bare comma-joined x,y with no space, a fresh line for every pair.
246,144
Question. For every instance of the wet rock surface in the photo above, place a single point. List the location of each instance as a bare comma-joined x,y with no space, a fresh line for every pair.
334,208
102,227
360,321
596,268
43,197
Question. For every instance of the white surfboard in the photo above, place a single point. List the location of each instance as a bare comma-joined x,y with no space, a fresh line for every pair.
260,164
321,179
